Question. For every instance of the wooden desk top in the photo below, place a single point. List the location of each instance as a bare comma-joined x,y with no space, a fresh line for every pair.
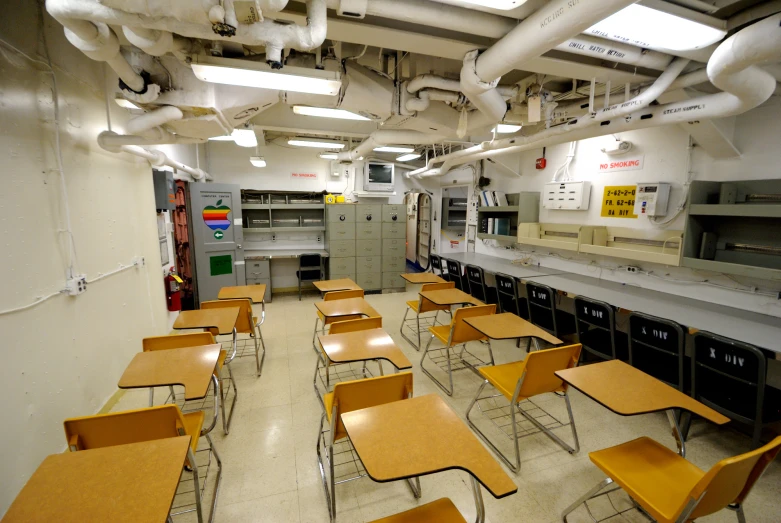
255,293
221,319
450,297
191,367
125,483
421,436
343,284
507,325
628,391
363,345
422,277
348,307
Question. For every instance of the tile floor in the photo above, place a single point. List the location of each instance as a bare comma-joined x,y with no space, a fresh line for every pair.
270,471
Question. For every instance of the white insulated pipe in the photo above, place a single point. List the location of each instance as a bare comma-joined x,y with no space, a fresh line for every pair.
388,137
422,102
112,141
595,47
159,159
152,119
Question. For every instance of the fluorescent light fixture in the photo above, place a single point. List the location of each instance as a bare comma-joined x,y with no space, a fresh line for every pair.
389,149
504,128
258,74
125,104
257,161
317,143
242,138
324,112
408,157
503,5
656,24
328,156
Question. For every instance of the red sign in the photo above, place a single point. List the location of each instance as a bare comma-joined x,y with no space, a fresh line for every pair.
629,164
304,175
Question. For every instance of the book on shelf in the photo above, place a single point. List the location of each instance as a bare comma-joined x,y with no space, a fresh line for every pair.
484,225
502,226
501,198
488,199
490,228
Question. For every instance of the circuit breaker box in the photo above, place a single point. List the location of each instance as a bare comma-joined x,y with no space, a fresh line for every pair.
165,190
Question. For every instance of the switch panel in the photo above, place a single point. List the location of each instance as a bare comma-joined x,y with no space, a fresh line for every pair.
651,199
566,196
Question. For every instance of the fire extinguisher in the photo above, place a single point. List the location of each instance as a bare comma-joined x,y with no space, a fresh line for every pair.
173,293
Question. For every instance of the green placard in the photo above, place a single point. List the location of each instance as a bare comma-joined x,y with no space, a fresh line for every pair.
220,265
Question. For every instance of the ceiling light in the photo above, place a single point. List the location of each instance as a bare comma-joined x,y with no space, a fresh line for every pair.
257,161
504,128
324,112
125,104
258,74
328,156
388,149
316,143
242,138
504,5
658,24
408,157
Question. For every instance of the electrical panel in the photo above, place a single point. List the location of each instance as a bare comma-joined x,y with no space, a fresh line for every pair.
339,169
566,196
651,199
165,190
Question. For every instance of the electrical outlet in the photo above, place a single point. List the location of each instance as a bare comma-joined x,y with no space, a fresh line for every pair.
76,285
318,238
632,269
139,261
273,237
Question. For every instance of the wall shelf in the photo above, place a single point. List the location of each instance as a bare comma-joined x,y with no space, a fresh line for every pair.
499,237
499,209
740,209
523,208
663,247
554,235
374,194
732,268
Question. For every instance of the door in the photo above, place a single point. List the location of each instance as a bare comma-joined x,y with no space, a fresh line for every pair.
218,238
424,229
410,200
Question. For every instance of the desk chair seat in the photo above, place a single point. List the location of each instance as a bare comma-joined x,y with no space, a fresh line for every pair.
421,306
518,382
135,426
440,511
673,490
334,295
246,323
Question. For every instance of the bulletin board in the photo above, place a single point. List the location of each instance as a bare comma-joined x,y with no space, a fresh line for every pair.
618,201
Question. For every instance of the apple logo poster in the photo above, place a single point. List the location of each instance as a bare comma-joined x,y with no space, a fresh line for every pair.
216,216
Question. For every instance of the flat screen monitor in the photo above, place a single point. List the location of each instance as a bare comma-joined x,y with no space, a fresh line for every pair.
379,177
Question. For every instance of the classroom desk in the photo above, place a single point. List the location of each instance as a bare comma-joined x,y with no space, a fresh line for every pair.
254,293
123,484
418,278
191,367
758,329
420,436
507,326
342,284
348,307
223,319
450,297
628,391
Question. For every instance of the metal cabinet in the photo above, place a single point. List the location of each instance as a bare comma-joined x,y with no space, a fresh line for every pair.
369,247
394,234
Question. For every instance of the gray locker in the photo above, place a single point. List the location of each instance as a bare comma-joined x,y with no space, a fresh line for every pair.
340,213
368,213
394,247
342,265
368,230
341,231
370,281
342,248
392,280
394,230
394,213
366,264
368,248
395,264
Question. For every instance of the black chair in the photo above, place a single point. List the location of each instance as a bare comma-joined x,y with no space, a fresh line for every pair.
509,301
477,287
596,327
456,274
436,266
730,376
657,347
310,268
543,312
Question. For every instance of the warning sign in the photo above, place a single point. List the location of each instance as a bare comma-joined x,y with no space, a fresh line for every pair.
627,164
311,176
618,201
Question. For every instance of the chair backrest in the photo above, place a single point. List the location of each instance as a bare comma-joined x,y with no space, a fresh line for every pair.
177,341
729,376
343,295
594,314
542,306
244,321
476,279
541,365
121,428
507,291
425,305
460,332
454,267
436,263
730,480
362,324
309,261
361,394
656,347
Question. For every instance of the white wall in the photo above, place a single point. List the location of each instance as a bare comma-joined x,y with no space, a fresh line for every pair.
63,358
665,153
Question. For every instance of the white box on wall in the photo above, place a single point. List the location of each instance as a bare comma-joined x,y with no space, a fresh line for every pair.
566,196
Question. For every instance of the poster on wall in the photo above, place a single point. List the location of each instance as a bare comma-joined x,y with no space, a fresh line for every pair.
618,201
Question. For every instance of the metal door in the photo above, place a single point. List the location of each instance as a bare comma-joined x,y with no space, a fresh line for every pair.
218,237
410,200
424,229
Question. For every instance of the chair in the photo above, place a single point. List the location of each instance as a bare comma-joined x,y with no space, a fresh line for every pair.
135,426
543,312
509,301
335,295
440,511
196,339
422,305
730,376
671,489
477,287
520,381
246,323
656,347
596,327
341,327
347,397
436,265
310,268
458,333
456,274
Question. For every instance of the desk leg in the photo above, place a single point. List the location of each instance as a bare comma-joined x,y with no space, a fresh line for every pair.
479,506
676,432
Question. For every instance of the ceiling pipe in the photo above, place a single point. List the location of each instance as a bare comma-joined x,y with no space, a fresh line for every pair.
160,159
152,119
425,96
595,47
549,26
734,68
112,141
388,137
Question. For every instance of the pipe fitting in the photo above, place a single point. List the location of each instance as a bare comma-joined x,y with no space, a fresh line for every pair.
155,118
482,94
103,47
152,42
